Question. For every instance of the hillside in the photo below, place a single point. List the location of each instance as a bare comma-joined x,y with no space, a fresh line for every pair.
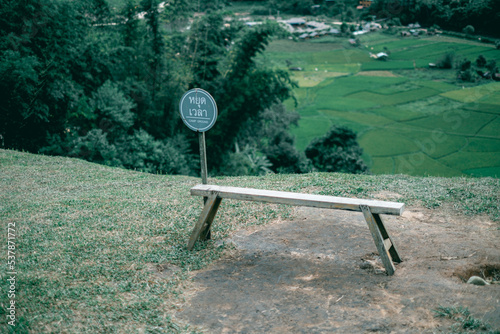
410,119
100,249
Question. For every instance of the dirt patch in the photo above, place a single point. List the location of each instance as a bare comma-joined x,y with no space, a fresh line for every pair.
377,73
320,273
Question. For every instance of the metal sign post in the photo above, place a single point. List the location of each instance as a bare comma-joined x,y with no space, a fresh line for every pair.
203,157
199,112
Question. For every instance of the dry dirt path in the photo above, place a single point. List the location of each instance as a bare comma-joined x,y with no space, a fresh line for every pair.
310,275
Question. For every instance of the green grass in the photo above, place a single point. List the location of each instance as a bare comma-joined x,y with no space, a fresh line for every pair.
103,250
475,93
464,322
394,115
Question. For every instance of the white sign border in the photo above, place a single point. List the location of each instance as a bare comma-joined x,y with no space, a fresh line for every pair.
212,100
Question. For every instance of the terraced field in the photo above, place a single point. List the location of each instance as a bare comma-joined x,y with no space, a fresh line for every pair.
409,118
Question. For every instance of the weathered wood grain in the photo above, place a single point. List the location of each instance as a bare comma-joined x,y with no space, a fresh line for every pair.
300,199
371,210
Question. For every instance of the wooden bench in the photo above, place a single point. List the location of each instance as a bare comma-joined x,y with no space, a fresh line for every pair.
371,209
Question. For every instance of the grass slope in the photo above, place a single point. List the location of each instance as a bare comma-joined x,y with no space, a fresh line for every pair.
409,119
102,249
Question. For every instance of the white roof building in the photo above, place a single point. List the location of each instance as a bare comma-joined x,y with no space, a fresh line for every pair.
296,21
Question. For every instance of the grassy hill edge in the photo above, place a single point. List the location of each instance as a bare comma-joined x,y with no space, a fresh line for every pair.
101,249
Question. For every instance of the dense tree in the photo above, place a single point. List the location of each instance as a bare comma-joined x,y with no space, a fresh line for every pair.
244,88
482,15
337,151
39,56
268,132
85,80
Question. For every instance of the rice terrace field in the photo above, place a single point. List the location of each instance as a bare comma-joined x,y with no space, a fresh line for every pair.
409,118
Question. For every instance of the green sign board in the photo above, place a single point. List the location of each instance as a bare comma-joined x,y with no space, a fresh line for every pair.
198,110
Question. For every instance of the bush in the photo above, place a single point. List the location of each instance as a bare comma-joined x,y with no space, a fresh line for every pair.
468,75
260,11
95,147
492,66
141,151
481,61
248,161
446,61
468,30
464,65
269,134
395,21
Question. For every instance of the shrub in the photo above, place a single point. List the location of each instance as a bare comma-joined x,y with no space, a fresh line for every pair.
344,27
95,147
467,75
141,151
468,30
481,61
446,61
492,66
248,161
464,65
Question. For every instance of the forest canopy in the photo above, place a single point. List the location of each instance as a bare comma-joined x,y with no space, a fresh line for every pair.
86,80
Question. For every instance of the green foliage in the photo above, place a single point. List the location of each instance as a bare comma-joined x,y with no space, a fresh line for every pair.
463,318
244,89
476,16
464,65
491,65
112,109
142,152
472,72
446,61
39,56
468,30
337,151
481,61
246,162
269,133
102,83
94,146
301,7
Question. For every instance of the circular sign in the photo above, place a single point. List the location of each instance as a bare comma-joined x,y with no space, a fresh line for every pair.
198,110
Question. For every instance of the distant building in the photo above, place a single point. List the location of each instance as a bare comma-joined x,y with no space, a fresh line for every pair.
296,22
251,24
380,56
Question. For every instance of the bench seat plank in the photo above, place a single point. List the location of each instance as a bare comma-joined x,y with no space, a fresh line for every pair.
290,198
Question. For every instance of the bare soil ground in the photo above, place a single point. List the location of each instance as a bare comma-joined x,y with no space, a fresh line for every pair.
311,275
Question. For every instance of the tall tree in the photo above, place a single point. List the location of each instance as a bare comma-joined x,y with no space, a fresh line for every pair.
245,88
38,48
337,151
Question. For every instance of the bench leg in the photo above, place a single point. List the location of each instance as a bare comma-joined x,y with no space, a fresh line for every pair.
202,228
385,246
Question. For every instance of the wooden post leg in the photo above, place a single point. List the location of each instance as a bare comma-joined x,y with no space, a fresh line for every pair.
205,232
385,247
206,218
391,247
